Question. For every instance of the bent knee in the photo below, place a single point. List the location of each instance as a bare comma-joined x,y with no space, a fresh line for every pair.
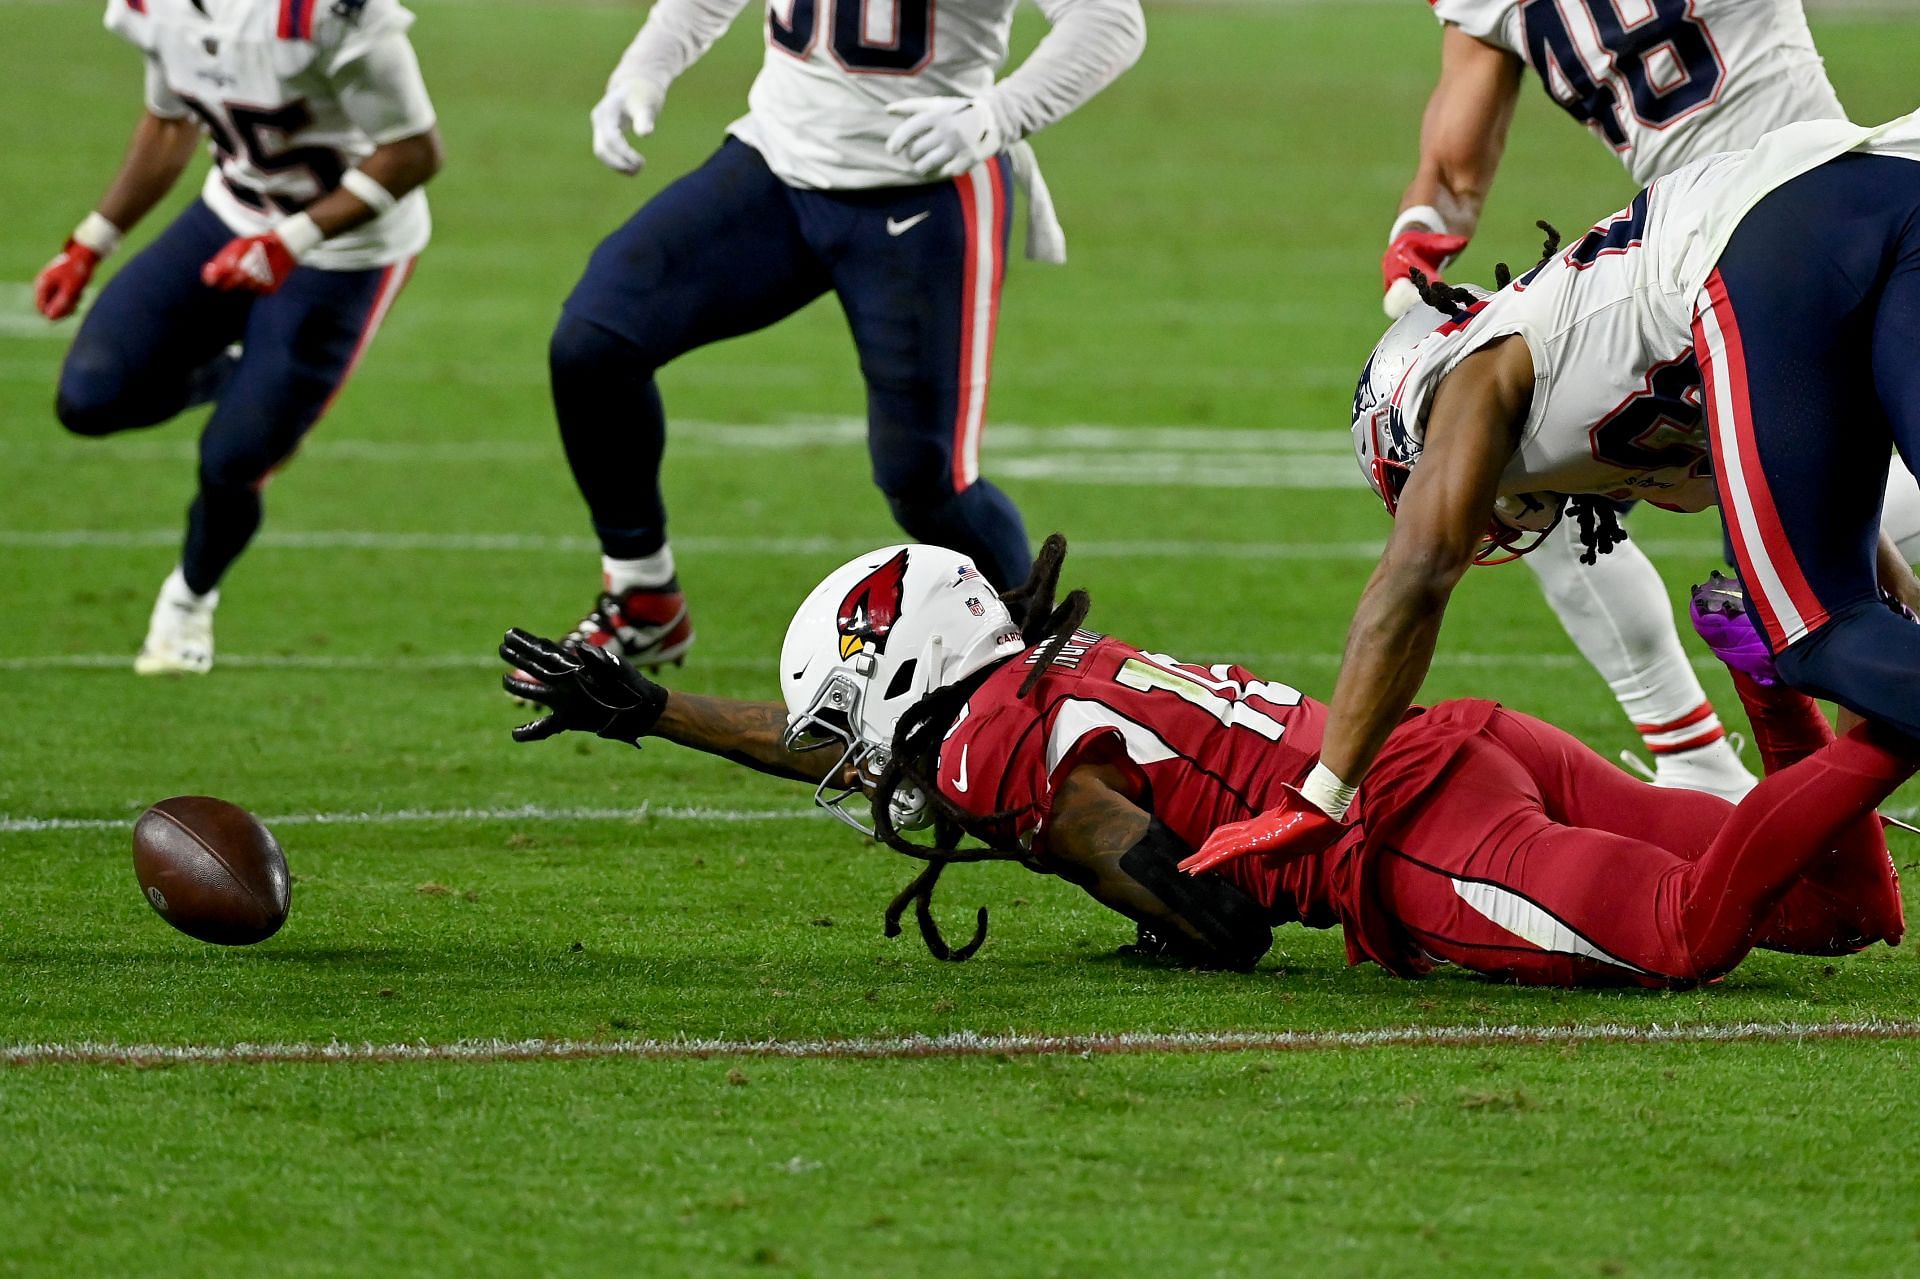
582,348
88,406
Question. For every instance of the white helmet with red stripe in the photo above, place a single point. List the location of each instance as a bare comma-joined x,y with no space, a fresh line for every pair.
1388,445
883,631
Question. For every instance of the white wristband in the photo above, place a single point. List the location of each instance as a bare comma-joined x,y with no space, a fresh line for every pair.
300,234
368,191
98,234
1420,214
1327,792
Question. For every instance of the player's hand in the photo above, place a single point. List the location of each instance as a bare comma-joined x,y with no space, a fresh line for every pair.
586,689
944,137
1427,252
57,289
627,107
1295,828
250,264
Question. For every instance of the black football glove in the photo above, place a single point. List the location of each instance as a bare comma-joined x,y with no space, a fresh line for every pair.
587,689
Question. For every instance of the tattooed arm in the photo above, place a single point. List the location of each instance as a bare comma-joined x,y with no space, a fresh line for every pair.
1100,839
747,733
588,690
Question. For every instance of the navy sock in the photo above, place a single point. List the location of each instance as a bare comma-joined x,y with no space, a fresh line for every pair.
614,430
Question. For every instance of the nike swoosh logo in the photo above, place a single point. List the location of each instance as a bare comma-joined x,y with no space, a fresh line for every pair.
960,782
900,226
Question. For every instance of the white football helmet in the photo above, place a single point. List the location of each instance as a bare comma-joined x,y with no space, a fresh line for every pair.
879,634
1387,445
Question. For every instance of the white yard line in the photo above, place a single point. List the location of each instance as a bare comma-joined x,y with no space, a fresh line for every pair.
524,813
419,816
958,1044
1278,662
356,539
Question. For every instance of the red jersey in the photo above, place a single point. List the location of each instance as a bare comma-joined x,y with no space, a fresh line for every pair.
1204,745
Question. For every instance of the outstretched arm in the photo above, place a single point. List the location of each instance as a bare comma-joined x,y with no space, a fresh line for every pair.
588,690
1462,137
748,733
1443,513
1102,841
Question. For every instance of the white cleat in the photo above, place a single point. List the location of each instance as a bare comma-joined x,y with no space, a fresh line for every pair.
180,633
1714,768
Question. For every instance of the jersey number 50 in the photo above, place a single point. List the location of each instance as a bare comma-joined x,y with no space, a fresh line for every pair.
1666,61
900,46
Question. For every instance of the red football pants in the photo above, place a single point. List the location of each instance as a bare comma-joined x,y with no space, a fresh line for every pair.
1537,861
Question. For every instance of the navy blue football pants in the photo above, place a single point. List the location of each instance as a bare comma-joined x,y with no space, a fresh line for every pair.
729,249
155,343
1808,335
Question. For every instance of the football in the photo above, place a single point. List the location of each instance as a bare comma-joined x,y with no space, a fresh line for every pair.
211,870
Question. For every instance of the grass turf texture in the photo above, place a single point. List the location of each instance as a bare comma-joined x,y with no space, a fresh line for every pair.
1224,204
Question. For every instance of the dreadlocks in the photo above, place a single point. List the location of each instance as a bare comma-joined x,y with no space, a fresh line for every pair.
1599,524
1443,297
913,763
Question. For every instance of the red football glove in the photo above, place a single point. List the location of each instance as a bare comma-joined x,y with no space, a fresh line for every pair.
1427,252
57,289
1297,828
253,263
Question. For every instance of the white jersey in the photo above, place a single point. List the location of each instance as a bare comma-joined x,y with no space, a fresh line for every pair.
1617,404
817,110
1663,82
278,86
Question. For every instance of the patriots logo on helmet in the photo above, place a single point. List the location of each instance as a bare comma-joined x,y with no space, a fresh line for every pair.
869,612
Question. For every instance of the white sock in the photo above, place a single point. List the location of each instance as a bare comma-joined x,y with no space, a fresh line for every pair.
1618,614
647,572
176,590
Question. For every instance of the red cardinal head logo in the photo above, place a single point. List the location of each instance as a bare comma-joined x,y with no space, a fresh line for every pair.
868,613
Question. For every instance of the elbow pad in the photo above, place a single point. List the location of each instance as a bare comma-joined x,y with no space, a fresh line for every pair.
1233,927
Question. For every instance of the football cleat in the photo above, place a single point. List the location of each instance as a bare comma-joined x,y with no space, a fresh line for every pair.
180,632
1719,612
1714,768
647,627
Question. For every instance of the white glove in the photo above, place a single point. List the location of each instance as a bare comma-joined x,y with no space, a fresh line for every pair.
944,137
628,107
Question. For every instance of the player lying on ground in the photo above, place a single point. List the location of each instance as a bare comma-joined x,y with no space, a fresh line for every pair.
875,162
1793,271
265,292
1483,837
1681,80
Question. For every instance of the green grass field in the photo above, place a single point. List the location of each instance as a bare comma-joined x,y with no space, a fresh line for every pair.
1175,400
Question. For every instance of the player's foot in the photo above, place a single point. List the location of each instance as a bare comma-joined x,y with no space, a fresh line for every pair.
648,626
1719,612
180,632
1714,768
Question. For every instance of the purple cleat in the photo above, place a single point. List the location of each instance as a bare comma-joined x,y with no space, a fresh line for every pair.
1719,612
